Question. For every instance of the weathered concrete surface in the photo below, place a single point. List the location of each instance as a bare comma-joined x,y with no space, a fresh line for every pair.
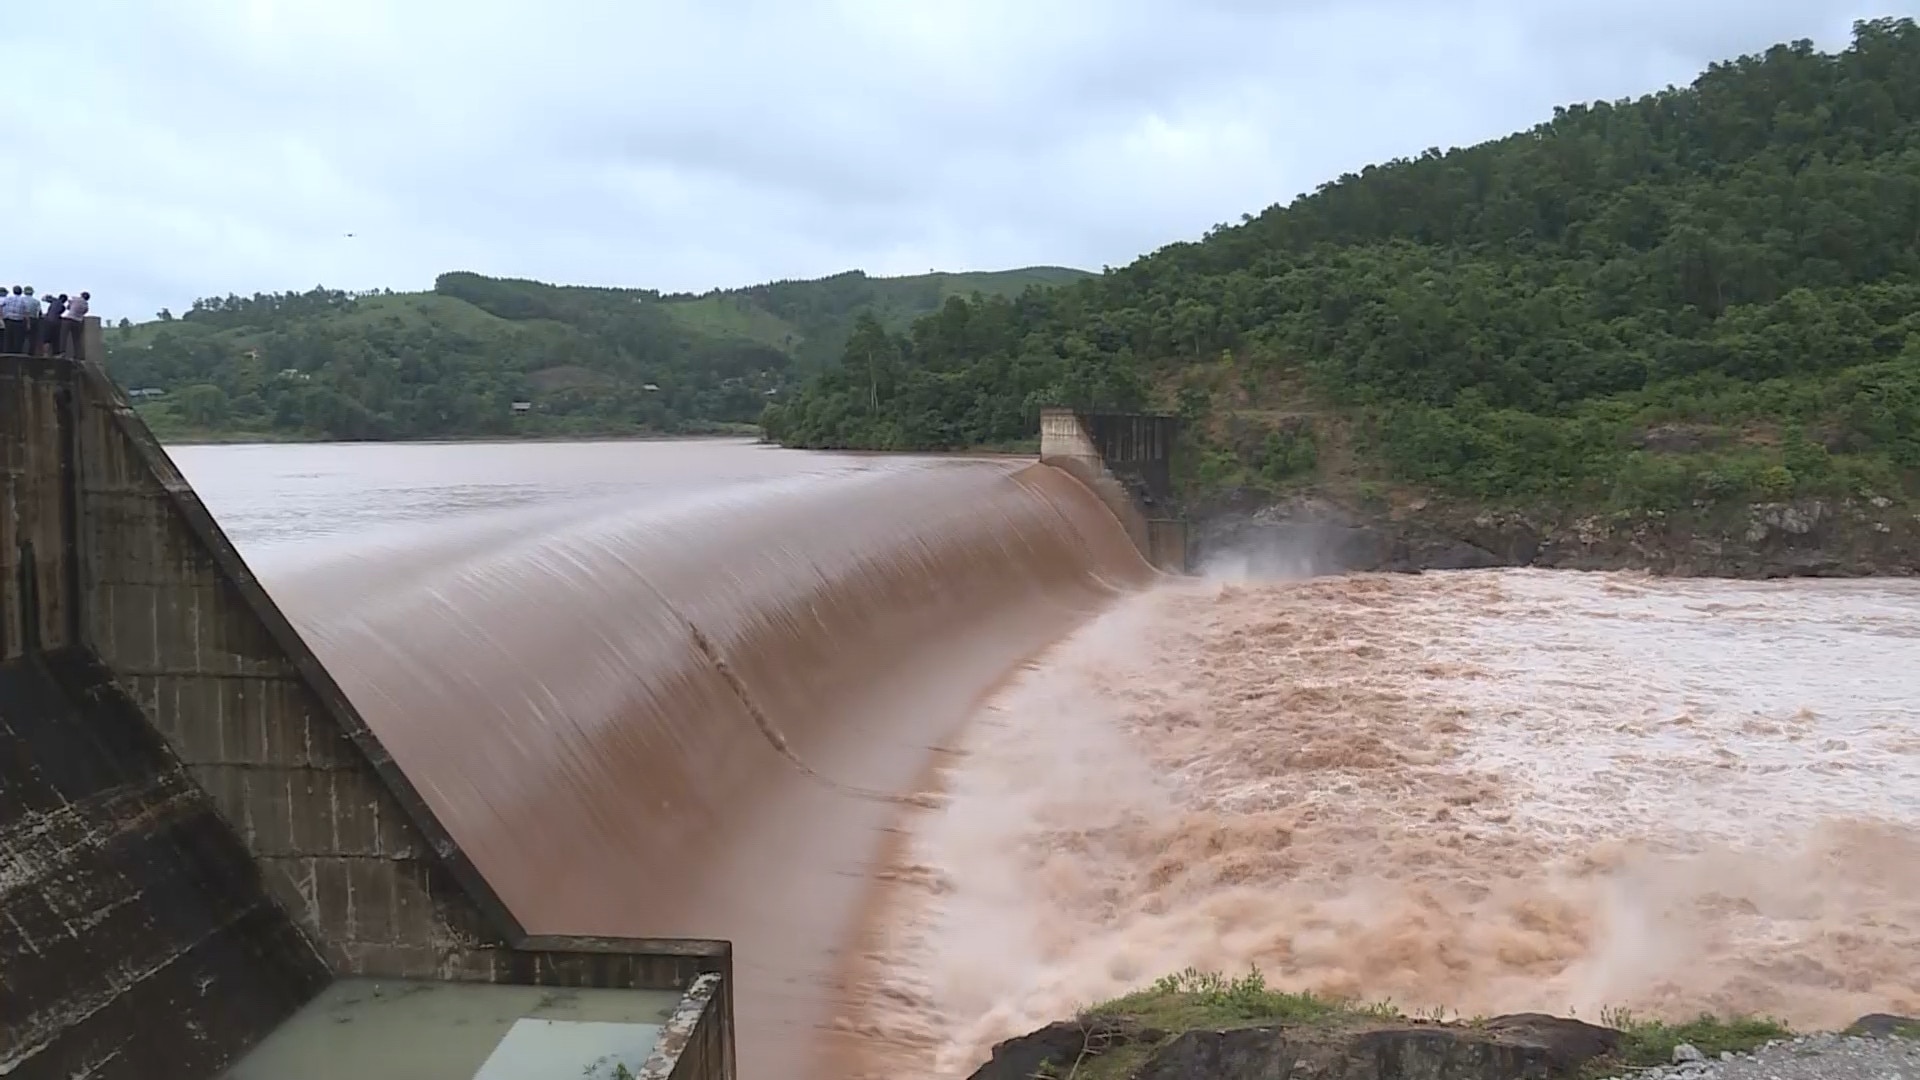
1137,448
39,589
693,1043
1127,460
340,834
105,550
138,938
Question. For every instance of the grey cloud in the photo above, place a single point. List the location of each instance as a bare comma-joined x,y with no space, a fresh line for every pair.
203,146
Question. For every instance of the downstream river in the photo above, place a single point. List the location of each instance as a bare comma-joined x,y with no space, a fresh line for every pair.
992,770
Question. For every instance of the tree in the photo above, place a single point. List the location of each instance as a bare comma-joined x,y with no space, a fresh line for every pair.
1509,321
452,362
202,405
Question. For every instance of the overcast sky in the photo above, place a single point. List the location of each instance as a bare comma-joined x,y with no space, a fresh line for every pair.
190,147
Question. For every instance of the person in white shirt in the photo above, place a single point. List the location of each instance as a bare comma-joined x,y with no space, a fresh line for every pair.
13,316
75,319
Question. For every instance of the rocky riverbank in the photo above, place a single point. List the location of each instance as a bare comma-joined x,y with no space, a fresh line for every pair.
1311,534
1370,1045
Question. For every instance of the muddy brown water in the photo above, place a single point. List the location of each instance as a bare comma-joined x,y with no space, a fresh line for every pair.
681,688
672,688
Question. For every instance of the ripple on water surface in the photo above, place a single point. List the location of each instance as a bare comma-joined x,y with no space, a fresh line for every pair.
1492,792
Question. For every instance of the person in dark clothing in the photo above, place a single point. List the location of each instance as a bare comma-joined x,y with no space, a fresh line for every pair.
32,307
50,325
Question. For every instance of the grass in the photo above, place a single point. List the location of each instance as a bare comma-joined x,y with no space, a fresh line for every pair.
898,301
1005,282
173,430
1259,424
1205,1000
169,427
725,316
1199,1000
1647,1042
733,316
398,310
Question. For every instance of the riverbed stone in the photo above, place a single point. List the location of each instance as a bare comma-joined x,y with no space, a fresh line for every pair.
1506,1048
1057,1047
1884,1026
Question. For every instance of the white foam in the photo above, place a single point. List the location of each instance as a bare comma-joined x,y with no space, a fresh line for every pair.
1493,791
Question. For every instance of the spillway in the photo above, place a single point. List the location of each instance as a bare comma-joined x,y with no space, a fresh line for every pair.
701,716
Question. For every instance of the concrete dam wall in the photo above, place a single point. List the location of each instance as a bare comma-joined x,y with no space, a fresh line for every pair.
1127,460
747,686
598,754
139,939
185,785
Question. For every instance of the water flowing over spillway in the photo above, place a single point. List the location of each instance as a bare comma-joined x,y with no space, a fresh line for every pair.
699,717
913,734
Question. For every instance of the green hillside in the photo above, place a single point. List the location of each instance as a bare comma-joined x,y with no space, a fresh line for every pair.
1706,294
453,362
812,319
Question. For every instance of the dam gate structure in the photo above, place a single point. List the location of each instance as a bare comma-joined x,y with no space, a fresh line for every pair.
209,864
1127,459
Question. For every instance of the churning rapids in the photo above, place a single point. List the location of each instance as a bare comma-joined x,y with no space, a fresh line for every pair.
943,758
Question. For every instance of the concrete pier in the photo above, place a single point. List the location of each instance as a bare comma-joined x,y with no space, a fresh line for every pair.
1126,458
198,832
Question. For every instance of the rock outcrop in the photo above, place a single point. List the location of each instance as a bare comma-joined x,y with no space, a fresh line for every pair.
1056,1048
1505,1048
1310,534
1884,1026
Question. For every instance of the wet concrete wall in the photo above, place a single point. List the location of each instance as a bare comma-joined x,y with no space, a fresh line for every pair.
106,550
695,1042
1127,459
39,592
1137,448
193,639
139,939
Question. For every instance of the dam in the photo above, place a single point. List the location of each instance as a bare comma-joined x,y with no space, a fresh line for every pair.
302,758
598,781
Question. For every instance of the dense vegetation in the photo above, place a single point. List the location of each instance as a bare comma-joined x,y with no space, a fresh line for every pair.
452,362
1707,293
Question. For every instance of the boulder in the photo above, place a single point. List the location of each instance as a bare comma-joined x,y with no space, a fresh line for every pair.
1884,1026
1567,1043
1507,1048
1056,1048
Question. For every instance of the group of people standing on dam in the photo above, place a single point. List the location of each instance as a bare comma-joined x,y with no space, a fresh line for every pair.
32,327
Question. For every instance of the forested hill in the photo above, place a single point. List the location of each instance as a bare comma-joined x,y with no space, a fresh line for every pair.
454,361
1708,293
